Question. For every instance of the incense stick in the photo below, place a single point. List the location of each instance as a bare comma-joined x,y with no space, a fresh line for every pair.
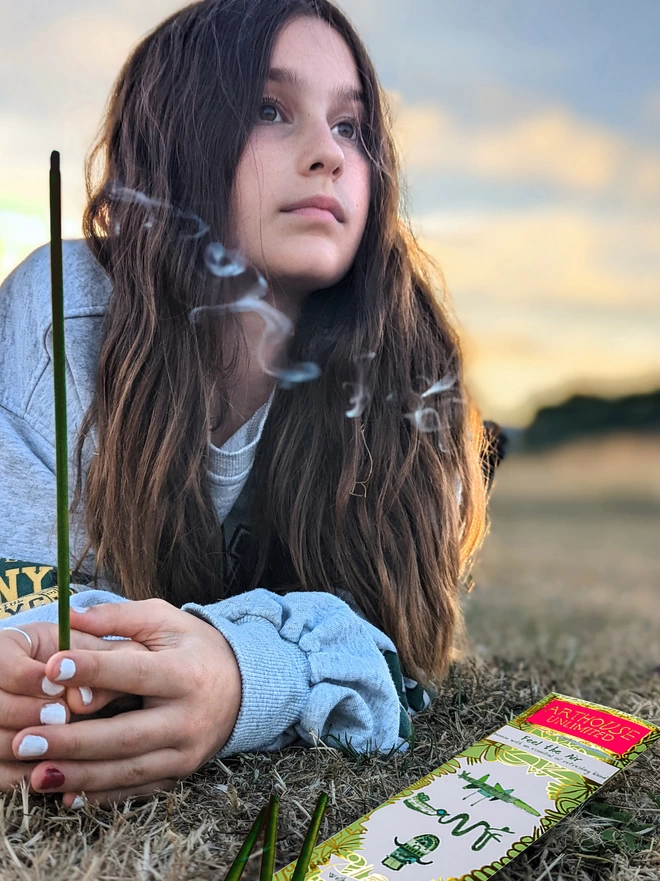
236,869
270,836
310,839
270,841
59,379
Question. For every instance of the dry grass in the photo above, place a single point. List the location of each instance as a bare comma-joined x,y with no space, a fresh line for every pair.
571,566
565,601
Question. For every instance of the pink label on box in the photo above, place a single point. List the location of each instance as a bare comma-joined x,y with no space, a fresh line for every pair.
594,726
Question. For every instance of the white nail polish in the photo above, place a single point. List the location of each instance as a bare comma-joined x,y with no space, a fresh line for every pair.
78,803
32,745
67,670
53,714
86,694
50,688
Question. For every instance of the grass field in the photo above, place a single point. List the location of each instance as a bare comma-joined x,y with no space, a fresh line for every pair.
571,568
566,599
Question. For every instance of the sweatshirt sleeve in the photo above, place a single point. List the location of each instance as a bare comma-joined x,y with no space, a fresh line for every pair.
312,670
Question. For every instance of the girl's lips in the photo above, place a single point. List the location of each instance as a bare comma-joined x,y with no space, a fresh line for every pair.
314,214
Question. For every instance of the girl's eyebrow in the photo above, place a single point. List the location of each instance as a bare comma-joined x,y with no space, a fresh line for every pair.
290,77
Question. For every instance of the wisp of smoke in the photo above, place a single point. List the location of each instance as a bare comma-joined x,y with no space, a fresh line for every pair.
226,263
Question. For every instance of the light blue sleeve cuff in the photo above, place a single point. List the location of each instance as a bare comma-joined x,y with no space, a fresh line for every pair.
275,686
310,668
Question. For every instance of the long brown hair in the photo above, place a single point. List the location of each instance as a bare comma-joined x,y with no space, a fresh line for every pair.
177,122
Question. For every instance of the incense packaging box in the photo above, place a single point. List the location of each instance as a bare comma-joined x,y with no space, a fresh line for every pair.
471,816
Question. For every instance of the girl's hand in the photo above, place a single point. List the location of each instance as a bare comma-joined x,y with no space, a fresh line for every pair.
191,687
23,701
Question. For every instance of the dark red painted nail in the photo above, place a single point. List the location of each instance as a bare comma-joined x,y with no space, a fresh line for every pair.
53,779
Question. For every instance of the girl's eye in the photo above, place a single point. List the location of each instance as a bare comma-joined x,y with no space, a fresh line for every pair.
267,101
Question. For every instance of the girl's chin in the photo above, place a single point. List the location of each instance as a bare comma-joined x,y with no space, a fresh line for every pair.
289,291
308,274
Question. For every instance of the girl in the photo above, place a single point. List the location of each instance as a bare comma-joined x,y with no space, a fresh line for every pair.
278,465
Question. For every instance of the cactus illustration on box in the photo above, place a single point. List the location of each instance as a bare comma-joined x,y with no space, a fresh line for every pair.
411,852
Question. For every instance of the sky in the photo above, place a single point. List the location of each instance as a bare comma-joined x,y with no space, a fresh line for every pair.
529,134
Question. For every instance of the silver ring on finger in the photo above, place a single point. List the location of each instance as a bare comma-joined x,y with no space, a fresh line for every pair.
18,630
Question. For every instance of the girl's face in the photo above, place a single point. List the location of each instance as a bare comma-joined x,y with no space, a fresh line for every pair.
304,146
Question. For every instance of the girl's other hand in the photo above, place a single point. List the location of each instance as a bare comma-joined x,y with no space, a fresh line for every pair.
25,703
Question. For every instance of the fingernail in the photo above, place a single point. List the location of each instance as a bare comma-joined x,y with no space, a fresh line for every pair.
53,714
32,745
80,610
78,803
67,670
86,694
50,688
53,779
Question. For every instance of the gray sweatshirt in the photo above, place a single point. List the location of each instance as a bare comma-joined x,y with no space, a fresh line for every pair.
312,667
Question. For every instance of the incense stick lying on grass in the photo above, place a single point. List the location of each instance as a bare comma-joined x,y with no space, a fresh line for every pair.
59,379
270,841
236,868
302,865
269,816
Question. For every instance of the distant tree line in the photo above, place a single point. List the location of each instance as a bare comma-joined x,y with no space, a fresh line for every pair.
588,415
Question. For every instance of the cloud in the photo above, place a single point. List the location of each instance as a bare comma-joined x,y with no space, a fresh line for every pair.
549,301
550,253
74,59
26,143
545,294
651,107
61,74
551,145
546,299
